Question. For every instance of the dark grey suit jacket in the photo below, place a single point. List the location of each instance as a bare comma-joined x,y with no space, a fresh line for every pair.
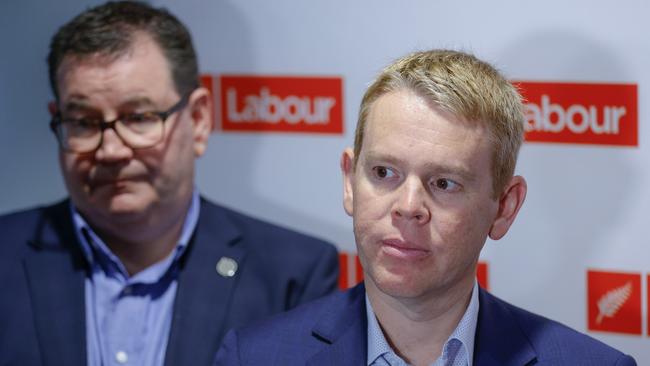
42,274
332,331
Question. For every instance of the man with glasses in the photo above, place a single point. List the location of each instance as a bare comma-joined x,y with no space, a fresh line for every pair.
137,130
135,267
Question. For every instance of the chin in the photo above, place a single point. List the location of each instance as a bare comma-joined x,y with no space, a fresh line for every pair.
123,207
401,285
127,205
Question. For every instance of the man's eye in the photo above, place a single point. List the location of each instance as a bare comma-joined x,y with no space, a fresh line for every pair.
140,118
83,122
383,172
445,184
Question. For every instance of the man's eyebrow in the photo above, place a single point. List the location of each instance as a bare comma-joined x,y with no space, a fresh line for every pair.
437,167
456,170
382,157
138,102
77,105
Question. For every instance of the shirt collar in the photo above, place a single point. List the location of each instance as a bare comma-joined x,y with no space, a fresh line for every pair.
464,333
96,251
377,344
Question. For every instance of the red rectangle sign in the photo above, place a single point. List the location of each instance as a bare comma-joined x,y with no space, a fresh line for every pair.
580,113
281,104
614,302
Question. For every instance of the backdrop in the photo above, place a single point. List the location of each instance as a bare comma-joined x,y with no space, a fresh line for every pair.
288,77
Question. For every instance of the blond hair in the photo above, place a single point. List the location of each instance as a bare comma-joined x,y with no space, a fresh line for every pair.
464,86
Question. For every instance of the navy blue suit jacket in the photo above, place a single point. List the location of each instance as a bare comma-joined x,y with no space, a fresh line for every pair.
42,274
332,331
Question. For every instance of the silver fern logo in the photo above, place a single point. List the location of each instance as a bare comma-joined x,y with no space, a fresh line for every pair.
610,303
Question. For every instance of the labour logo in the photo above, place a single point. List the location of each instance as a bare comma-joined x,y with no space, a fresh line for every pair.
580,113
614,302
247,103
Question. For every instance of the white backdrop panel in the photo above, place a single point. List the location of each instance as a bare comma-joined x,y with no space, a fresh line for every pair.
587,205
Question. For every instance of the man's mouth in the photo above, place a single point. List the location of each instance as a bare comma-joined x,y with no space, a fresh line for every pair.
111,182
403,249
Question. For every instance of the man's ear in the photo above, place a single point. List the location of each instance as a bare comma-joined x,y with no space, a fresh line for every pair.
52,108
510,202
200,109
347,168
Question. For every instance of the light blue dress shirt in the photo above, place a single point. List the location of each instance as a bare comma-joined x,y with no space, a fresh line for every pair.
128,318
458,350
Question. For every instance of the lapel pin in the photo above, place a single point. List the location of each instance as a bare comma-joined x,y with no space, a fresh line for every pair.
226,267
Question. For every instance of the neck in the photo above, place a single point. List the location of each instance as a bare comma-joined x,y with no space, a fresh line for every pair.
141,243
136,255
417,328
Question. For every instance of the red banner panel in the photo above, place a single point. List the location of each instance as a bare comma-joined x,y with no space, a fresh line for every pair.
482,275
351,272
281,104
614,302
581,113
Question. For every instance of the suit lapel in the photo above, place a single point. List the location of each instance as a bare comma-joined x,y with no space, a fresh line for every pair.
203,295
344,329
499,338
55,273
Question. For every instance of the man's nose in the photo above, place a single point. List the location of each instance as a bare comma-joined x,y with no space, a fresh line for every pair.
411,202
112,147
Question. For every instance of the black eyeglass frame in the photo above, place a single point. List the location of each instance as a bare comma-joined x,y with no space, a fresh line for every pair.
57,120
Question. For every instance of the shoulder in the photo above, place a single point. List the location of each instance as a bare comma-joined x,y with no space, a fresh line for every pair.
296,335
18,220
260,233
300,321
556,343
280,265
32,214
22,227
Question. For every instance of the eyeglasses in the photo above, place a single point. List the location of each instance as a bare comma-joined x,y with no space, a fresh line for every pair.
137,130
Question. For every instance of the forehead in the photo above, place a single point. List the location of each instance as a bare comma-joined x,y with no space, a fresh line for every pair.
406,126
141,70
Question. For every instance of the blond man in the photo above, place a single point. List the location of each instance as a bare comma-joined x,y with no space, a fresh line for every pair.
431,176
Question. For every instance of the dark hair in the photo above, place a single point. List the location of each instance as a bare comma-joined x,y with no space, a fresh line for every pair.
109,30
